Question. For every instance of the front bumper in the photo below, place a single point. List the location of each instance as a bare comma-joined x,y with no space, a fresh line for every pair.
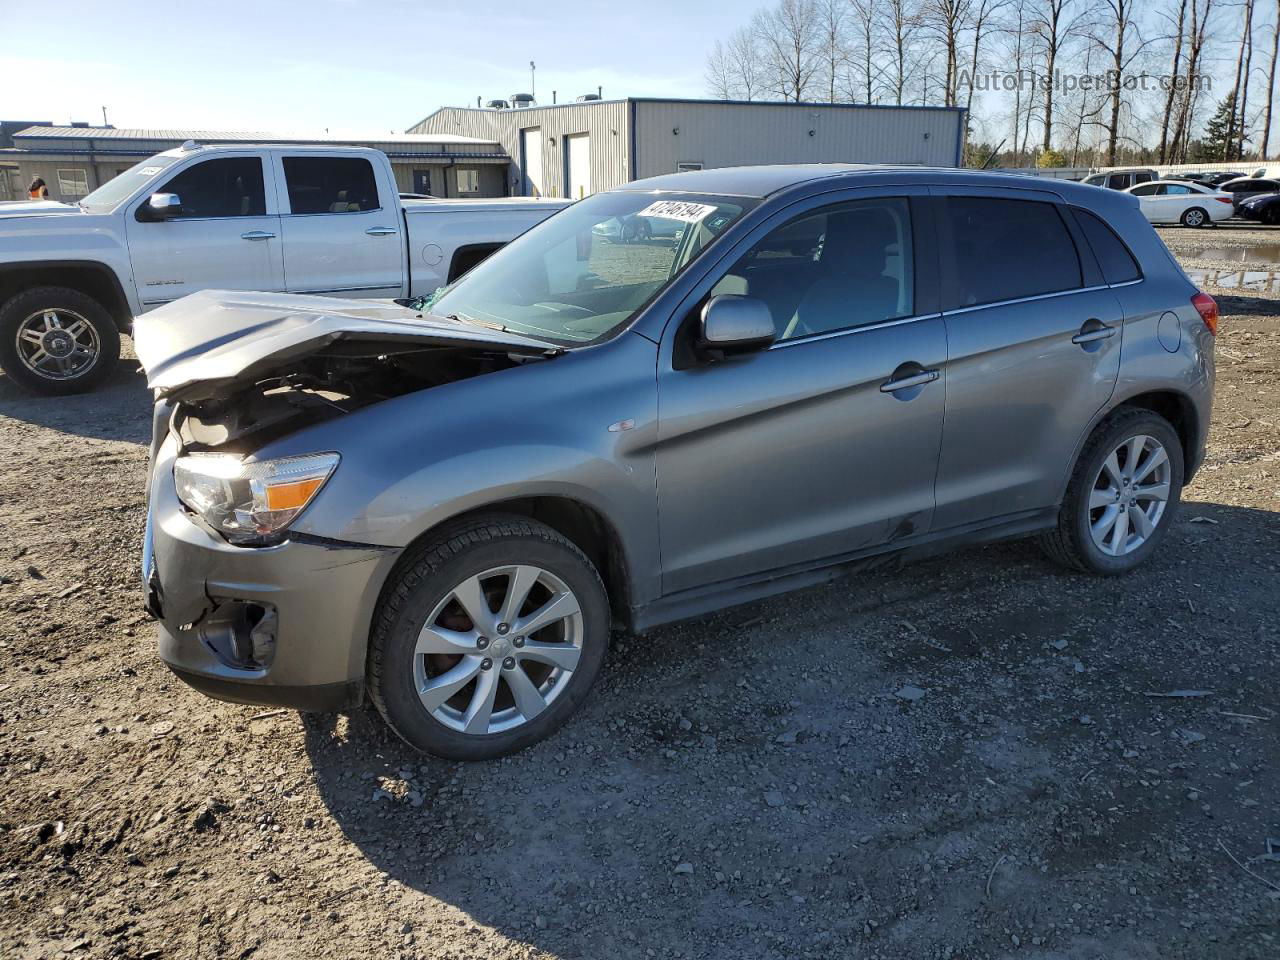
286,625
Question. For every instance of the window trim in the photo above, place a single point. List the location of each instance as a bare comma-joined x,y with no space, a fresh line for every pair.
284,200
848,331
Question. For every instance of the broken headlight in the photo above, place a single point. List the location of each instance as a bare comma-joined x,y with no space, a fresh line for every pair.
252,503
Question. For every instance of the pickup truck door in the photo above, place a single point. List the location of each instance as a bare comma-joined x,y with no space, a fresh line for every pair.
225,235
343,230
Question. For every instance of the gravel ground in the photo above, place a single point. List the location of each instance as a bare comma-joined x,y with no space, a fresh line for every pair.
972,758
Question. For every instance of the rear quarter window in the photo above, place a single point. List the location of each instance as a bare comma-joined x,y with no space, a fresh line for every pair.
1008,249
1117,263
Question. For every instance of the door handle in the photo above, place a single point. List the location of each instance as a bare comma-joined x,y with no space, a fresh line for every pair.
1092,330
257,235
381,231
907,382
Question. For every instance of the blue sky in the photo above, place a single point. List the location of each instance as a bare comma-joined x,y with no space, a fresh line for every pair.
353,67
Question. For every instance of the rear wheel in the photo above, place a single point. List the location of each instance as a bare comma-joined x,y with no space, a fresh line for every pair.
488,640
1195,217
57,341
1122,497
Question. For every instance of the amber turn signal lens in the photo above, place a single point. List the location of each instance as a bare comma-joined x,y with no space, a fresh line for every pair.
293,495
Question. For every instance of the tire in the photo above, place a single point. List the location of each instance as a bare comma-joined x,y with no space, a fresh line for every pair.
1195,217
476,551
1072,542
92,351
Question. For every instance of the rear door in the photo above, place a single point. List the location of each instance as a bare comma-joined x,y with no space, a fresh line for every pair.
226,235
826,443
1033,339
342,229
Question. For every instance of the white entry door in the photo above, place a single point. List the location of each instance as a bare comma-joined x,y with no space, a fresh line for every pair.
577,165
531,161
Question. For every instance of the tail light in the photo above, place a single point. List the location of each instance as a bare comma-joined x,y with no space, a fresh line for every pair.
1207,307
1223,199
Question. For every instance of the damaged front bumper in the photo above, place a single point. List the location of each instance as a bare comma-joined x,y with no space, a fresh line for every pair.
285,625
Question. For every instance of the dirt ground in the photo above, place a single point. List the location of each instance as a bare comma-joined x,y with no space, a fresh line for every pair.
974,758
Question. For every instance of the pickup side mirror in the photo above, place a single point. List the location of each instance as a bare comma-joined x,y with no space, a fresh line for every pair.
162,206
735,324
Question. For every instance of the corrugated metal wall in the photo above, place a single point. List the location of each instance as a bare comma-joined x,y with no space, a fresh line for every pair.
734,134
606,121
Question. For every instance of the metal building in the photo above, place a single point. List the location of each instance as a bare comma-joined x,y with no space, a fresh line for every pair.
75,160
573,149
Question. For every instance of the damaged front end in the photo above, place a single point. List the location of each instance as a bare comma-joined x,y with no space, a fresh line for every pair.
247,609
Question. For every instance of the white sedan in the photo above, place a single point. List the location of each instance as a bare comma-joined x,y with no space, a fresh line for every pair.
1181,201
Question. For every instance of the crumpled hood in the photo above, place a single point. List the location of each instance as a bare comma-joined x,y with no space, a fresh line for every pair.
203,345
36,208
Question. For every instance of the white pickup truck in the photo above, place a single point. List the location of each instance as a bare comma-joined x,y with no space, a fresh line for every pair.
293,219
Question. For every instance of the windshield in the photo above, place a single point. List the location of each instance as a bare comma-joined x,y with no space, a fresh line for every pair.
584,273
121,188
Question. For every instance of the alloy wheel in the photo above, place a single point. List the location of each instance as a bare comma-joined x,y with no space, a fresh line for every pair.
58,344
1129,495
498,649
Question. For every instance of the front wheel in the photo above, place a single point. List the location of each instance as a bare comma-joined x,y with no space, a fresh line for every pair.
56,341
1122,496
488,640
1195,217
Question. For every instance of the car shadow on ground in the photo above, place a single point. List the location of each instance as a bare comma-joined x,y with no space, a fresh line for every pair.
840,768
124,399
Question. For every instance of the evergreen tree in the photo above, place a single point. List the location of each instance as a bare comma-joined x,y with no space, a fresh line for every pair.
1217,143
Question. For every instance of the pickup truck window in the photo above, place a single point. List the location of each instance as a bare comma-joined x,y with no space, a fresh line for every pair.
330,184
581,275
225,187
115,191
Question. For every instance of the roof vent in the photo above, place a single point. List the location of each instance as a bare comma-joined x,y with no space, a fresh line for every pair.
587,96
523,100
498,105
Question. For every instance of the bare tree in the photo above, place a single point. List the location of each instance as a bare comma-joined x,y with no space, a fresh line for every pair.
833,42
788,36
899,21
1122,42
1201,10
862,83
983,13
1173,75
1055,22
947,20
1248,73
1271,84
733,67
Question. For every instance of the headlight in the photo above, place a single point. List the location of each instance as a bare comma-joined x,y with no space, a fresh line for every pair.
250,503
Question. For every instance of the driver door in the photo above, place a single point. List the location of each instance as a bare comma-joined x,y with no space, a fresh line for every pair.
225,236
826,443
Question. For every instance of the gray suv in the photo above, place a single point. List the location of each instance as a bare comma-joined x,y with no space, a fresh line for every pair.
448,504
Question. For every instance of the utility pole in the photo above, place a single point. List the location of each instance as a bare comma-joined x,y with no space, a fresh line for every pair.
533,92
104,117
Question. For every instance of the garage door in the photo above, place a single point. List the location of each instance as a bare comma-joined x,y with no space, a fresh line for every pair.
577,165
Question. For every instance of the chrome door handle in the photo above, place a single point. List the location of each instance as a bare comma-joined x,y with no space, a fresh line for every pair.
1093,330
906,383
257,235
381,231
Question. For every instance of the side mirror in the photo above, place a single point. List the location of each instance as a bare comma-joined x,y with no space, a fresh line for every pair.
162,206
735,324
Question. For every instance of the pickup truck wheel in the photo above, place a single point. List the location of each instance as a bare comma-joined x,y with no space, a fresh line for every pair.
1122,497
488,639
56,341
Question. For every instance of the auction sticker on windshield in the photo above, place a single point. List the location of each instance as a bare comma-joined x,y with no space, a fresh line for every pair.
678,210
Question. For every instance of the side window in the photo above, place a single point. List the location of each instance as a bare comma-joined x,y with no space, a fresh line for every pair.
1146,190
1007,249
1117,263
1142,177
1176,190
330,184
1119,181
226,187
846,266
